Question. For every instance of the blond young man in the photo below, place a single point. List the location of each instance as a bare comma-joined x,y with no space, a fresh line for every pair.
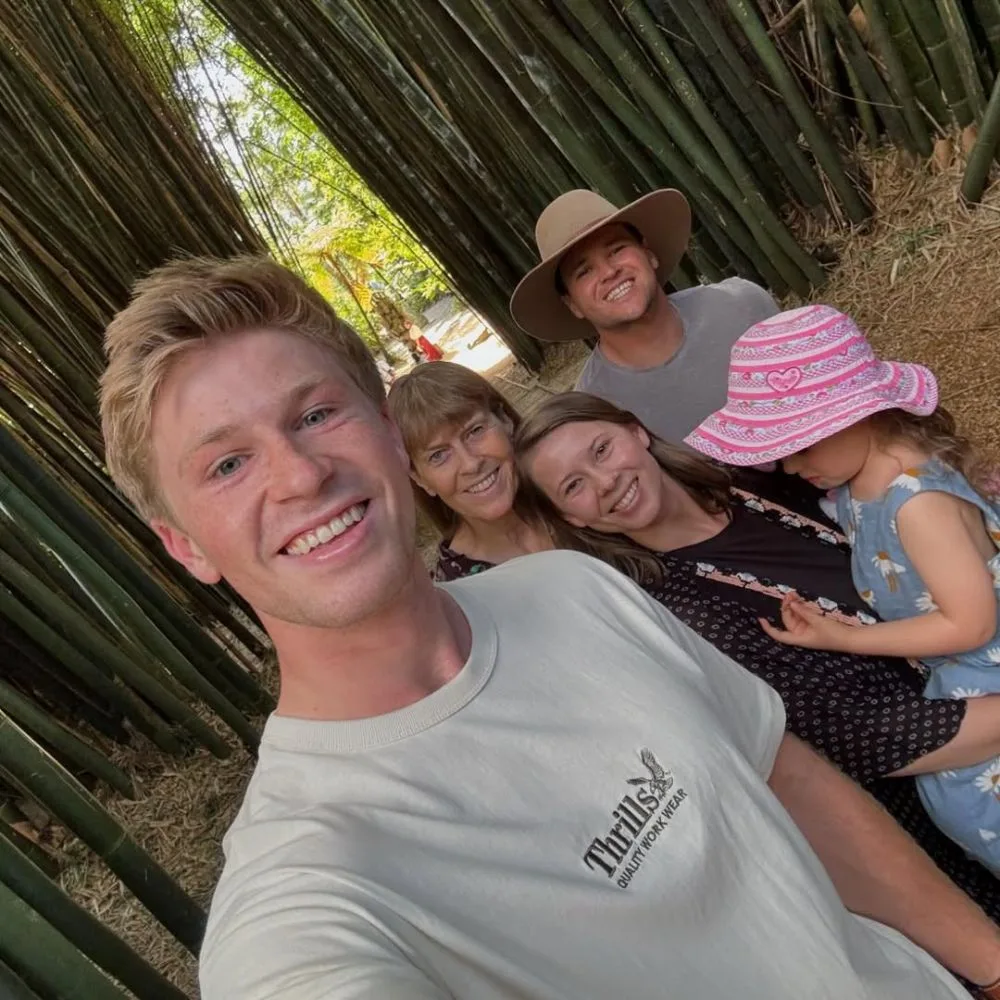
530,784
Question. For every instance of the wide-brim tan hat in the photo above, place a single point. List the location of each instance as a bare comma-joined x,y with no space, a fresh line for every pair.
663,217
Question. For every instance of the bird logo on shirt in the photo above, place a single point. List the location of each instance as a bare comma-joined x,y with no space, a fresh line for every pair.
659,779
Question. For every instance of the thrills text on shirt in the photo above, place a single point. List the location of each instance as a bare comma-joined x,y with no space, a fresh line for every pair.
623,849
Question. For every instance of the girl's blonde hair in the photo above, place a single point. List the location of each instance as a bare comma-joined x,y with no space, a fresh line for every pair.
936,434
706,483
436,396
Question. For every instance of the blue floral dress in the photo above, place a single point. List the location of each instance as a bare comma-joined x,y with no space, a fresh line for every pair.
964,803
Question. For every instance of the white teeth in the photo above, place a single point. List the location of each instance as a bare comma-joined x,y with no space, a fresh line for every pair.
484,484
629,496
307,541
619,291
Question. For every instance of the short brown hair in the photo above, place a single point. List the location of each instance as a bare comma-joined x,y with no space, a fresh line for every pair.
435,395
183,304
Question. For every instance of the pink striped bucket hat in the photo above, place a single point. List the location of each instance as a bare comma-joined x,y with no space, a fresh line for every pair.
800,377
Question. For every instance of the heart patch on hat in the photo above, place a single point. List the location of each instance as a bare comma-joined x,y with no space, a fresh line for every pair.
784,380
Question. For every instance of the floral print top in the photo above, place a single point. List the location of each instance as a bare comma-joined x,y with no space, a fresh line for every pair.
889,583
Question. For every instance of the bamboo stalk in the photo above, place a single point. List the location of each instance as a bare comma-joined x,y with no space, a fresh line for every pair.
870,85
862,103
965,57
737,118
984,151
95,648
82,930
820,45
898,81
66,798
30,478
35,949
917,66
928,27
13,987
729,65
116,601
823,150
67,654
69,746
775,233
988,16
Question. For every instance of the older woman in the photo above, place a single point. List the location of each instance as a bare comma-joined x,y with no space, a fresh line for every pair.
457,431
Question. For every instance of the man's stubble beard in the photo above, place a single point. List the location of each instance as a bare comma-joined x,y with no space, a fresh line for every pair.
646,309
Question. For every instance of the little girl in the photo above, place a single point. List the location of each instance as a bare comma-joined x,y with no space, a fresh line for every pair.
806,388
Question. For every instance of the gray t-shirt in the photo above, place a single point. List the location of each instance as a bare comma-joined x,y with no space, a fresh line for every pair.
672,398
581,813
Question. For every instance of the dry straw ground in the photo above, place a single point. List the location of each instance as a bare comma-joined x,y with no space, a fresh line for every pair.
923,281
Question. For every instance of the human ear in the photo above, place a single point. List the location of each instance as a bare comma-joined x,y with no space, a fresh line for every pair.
422,484
570,305
186,551
640,434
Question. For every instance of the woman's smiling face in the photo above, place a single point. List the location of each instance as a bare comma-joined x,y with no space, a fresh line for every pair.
470,466
599,475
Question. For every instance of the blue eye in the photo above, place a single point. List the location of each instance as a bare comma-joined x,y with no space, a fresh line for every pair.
437,457
316,417
228,466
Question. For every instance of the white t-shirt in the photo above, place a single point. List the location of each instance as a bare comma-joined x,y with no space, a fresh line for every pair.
580,814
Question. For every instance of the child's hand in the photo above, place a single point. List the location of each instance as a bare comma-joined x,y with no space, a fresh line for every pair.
805,626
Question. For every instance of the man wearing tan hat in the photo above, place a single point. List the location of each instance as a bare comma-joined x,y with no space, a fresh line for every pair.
664,357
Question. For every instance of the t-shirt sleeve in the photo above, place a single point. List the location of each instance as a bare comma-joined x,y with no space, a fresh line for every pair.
285,936
758,301
750,711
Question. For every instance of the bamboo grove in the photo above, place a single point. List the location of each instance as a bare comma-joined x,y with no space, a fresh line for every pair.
465,117
103,175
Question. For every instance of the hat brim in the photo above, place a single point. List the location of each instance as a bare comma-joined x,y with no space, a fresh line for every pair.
727,435
664,219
